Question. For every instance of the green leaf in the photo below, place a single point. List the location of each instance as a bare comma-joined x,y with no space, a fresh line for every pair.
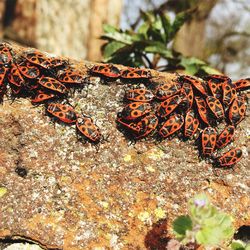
160,49
238,245
210,70
119,37
109,28
180,19
192,60
137,37
157,24
155,35
191,69
111,48
143,29
208,236
215,230
181,225
191,64
147,16
166,25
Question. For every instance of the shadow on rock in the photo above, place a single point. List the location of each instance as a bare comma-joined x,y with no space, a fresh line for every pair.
156,238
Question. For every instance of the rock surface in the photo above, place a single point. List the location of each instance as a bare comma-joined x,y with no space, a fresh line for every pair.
119,195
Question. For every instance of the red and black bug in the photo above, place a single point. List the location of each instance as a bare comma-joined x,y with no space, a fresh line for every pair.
63,112
218,78
148,124
208,141
107,70
215,89
202,109
242,84
53,85
135,110
42,97
3,90
43,60
189,95
172,125
28,70
139,95
168,106
35,57
71,76
214,83
135,73
215,106
166,90
5,55
191,124
54,62
237,110
15,90
31,86
225,137
197,84
3,73
15,77
230,158
132,126
88,129
229,93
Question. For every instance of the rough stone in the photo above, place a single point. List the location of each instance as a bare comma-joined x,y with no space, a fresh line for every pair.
115,196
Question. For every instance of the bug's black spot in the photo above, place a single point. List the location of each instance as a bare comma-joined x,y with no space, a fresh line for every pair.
205,138
242,111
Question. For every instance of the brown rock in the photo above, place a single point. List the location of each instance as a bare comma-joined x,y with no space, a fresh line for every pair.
75,197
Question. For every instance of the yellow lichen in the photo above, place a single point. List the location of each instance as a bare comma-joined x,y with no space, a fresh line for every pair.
144,216
104,204
3,191
155,154
159,213
127,158
150,169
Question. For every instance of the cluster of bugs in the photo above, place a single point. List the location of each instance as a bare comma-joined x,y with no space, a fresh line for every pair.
45,79
196,108
186,105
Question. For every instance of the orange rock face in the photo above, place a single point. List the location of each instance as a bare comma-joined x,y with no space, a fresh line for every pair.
120,195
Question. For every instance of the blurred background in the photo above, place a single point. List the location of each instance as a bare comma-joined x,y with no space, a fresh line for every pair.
168,35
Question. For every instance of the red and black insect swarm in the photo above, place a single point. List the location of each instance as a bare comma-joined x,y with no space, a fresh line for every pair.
183,105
